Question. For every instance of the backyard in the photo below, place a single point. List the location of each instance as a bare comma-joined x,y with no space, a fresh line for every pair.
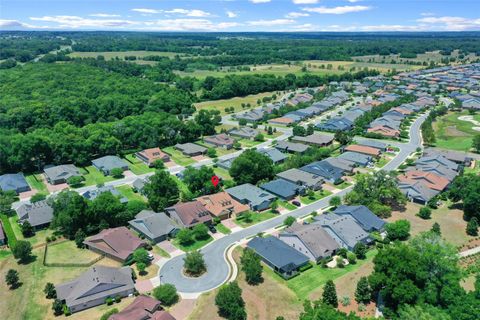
137,166
39,237
178,157
36,182
128,193
93,177
453,133
67,252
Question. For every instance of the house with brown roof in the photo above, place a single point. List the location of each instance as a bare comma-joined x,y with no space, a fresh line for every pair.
221,140
116,243
282,120
429,179
222,205
143,308
384,131
149,156
374,152
189,214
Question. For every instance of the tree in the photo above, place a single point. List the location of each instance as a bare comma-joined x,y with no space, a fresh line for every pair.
422,312
288,221
425,213
141,268
259,137
74,181
476,143
310,129
274,206
329,295
472,227
37,197
211,153
363,293
398,230
184,236
323,311
22,250
335,201
161,191
299,131
230,302
351,257
158,164
57,307
342,137
27,229
166,294
251,266
200,231
251,167
49,290
360,250
12,279
140,255
116,172
194,263
199,181
436,228
80,236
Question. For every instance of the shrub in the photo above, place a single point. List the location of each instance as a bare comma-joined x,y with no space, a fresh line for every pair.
289,221
340,263
166,294
345,301
352,259
109,301
425,213
109,313
116,172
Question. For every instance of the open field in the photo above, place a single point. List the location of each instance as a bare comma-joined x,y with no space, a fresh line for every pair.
128,193
454,134
109,55
236,102
137,166
39,237
67,252
434,56
178,157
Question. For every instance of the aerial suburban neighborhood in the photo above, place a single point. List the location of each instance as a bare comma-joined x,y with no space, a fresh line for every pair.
239,175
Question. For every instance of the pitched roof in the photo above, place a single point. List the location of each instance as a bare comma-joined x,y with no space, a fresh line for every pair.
283,120
278,253
373,144
244,132
118,242
358,158
250,193
437,158
385,131
63,171
314,237
152,154
363,149
366,218
344,229
282,188
274,154
438,169
300,177
291,146
94,193
417,190
13,181
37,213
190,148
315,139
153,224
220,139
97,282
191,212
109,163
431,180
324,169
143,308
222,202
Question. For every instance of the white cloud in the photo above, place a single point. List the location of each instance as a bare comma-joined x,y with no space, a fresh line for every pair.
187,25
337,10
388,27
296,15
267,23
79,22
259,1
189,13
448,23
305,1
304,27
144,10
104,15
231,14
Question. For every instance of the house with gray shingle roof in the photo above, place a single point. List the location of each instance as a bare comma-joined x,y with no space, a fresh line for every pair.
94,193
325,170
335,124
14,182
363,216
302,178
291,147
417,192
251,195
94,286
39,214
191,149
373,144
60,174
358,158
283,189
155,226
244,132
108,163
437,159
274,154
316,139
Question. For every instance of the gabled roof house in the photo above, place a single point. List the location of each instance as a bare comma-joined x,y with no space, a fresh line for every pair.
108,163
14,182
60,174
189,214
222,205
39,214
256,198
155,226
363,216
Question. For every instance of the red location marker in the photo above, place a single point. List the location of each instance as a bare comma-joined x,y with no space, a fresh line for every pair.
215,181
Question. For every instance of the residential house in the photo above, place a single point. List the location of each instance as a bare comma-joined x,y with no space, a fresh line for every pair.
358,159
14,182
316,139
94,193
189,214
94,286
385,131
60,174
278,255
256,198
222,205
302,178
274,154
283,189
291,147
139,184
370,151
226,163
325,170
244,132
283,121
149,156
143,308
344,229
437,169
108,163
155,226
115,243
39,214
437,159
363,216
251,116
417,191
373,144
311,240
335,124
191,149
221,140
429,179
342,164
461,158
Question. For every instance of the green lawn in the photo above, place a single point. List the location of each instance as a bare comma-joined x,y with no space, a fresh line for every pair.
314,278
93,177
454,134
181,186
8,228
128,193
382,162
137,166
194,245
256,218
35,181
287,205
236,102
317,196
160,252
39,237
222,173
220,151
342,185
178,157
67,252
222,229
249,143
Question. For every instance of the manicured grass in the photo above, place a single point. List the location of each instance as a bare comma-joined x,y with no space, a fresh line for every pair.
160,252
121,54
178,157
249,143
382,162
194,245
454,134
255,218
38,238
67,252
314,278
150,271
128,193
7,227
236,102
137,166
220,151
223,229
5,253
181,185
93,177
342,185
317,196
36,182
287,205
222,173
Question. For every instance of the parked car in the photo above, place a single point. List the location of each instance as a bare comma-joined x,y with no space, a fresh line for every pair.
212,229
296,203
150,256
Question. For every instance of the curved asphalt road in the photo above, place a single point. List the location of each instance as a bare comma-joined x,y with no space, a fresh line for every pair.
214,253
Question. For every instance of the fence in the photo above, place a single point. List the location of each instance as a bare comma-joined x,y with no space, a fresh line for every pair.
67,265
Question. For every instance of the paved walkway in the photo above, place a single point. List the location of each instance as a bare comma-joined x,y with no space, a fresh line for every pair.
469,252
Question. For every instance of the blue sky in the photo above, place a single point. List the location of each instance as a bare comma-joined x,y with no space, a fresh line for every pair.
241,15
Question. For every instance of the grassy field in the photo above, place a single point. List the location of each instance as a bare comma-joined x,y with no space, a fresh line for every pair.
137,166
454,134
287,205
317,196
36,182
67,251
222,173
255,218
434,56
128,193
39,237
249,143
109,55
178,157
236,102
195,245
222,229
93,177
